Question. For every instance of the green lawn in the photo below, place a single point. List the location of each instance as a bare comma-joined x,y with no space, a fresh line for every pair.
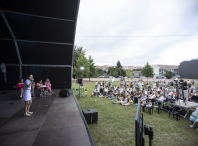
116,125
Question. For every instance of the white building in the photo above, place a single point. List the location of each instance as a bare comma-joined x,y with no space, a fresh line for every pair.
160,69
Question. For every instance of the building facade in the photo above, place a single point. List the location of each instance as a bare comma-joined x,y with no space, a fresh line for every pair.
105,67
160,69
189,69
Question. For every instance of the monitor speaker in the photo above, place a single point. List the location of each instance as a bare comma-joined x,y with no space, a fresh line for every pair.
64,93
79,81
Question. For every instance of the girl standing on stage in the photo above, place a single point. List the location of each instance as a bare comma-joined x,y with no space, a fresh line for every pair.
27,95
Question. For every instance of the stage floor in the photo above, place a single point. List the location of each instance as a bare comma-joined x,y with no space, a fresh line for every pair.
56,122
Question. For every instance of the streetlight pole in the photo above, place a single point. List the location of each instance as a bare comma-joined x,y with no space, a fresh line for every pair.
82,68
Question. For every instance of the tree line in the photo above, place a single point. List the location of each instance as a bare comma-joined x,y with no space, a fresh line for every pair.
80,60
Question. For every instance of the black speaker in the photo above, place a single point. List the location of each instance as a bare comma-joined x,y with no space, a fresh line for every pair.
79,81
64,93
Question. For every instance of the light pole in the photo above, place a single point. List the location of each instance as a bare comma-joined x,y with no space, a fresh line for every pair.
82,68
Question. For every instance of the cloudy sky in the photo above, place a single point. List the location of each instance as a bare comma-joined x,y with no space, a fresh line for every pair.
138,31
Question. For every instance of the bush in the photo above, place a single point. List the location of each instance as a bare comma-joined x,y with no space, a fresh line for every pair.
169,74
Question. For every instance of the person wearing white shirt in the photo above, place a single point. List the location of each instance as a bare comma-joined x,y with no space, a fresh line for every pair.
115,87
96,91
152,97
96,83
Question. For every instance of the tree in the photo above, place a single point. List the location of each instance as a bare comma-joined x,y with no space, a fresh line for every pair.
82,61
128,73
99,72
77,52
147,71
115,73
169,74
119,64
92,69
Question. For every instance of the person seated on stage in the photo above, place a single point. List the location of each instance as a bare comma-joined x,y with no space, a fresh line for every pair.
38,86
194,118
20,85
130,102
47,83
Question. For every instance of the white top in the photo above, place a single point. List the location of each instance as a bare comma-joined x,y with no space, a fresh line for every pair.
44,86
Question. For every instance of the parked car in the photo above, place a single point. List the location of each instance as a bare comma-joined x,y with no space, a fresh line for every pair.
99,77
106,76
120,77
143,77
125,77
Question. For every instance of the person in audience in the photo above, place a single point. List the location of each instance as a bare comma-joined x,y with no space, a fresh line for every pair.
86,92
131,85
47,83
106,91
130,102
124,101
92,94
143,102
38,86
194,118
96,92
150,104
20,85
111,96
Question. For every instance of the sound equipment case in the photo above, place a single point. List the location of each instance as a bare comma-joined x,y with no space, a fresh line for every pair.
91,115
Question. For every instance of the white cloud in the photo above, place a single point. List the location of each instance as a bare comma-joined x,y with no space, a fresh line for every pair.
138,18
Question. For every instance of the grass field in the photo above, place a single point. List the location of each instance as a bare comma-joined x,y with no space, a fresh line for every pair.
116,125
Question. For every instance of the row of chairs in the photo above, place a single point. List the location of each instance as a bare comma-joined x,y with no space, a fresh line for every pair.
178,111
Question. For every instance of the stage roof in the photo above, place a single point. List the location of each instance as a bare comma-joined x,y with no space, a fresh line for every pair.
39,32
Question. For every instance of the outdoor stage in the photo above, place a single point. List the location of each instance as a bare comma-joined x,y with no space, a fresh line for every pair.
56,121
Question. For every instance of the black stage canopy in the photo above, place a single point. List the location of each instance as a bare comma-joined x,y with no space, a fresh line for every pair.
38,37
